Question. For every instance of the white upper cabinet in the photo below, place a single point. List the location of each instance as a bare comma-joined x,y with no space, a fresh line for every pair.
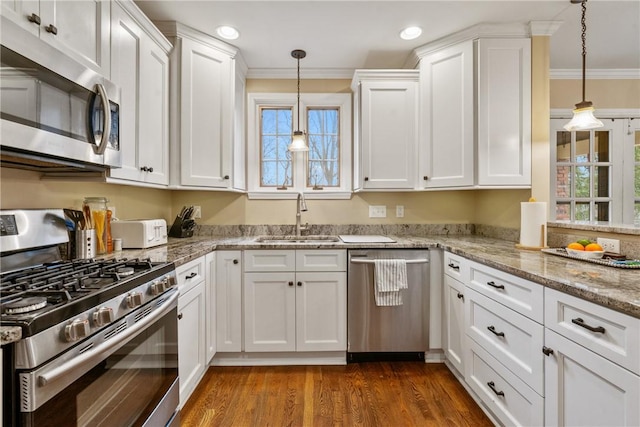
447,117
504,112
79,29
386,128
140,67
475,120
204,110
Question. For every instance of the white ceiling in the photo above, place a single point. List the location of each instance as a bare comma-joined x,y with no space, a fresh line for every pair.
345,35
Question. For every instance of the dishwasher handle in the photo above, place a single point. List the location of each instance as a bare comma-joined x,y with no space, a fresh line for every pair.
371,261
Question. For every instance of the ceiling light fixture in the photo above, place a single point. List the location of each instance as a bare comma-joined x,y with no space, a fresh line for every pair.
227,32
299,139
583,118
410,33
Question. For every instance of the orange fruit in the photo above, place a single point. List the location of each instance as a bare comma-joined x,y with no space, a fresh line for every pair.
593,247
576,246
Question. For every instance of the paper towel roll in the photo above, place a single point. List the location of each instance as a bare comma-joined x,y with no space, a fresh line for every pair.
533,224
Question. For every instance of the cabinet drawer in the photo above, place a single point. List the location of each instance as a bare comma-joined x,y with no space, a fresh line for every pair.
456,267
513,339
614,335
321,260
510,399
270,260
518,294
190,274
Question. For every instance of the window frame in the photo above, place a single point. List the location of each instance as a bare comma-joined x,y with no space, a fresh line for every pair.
258,101
621,169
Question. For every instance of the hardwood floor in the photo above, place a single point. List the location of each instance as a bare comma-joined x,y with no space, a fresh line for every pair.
359,394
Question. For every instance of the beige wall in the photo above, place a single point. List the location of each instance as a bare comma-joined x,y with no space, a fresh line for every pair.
604,93
23,189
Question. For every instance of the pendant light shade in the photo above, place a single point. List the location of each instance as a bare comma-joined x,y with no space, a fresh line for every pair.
298,139
583,118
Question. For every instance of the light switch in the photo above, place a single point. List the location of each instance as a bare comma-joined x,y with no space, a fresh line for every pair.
399,211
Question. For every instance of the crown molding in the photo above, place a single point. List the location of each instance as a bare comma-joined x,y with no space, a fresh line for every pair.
544,28
149,27
594,74
178,30
305,73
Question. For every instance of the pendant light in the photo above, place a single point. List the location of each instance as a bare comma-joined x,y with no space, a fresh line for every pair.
583,118
299,139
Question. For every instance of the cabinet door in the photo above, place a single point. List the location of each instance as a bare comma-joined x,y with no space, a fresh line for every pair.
504,112
153,113
210,306
321,311
454,300
19,11
228,301
126,46
206,116
447,117
584,389
191,352
269,311
82,30
388,131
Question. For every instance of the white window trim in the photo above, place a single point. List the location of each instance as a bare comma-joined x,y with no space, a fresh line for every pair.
307,100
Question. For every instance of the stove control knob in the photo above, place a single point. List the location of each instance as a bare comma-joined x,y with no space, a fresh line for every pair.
158,286
171,280
76,330
103,316
134,299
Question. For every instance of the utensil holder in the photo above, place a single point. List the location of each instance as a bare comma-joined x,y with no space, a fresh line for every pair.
86,244
178,228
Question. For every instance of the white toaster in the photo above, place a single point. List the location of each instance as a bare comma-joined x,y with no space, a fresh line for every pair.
140,233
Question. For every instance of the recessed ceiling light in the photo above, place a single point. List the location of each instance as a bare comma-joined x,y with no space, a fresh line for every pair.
227,32
410,33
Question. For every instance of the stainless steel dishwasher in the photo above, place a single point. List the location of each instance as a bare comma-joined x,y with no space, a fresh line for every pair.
390,332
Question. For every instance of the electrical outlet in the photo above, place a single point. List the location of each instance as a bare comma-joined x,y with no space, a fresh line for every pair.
609,245
377,211
399,211
197,212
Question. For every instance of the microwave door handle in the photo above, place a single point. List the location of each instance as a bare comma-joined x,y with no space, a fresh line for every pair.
106,121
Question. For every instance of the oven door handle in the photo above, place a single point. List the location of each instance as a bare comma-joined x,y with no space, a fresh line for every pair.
107,347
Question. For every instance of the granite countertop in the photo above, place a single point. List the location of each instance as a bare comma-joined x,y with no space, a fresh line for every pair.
9,334
615,288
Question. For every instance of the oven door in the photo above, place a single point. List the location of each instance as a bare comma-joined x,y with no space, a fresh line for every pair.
131,379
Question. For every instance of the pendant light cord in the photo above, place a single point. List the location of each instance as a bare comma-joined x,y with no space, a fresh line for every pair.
299,93
584,48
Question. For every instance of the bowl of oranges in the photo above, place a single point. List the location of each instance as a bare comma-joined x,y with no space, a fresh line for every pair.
585,249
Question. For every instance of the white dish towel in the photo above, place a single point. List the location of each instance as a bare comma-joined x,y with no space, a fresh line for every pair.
390,278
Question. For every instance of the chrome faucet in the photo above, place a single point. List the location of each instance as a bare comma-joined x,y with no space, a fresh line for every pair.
301,206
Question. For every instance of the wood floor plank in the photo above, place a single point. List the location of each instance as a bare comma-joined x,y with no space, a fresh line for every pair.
359,394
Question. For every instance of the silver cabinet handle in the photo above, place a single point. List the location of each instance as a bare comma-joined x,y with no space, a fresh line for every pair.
371,261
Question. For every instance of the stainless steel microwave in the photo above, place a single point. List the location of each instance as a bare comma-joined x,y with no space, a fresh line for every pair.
53,123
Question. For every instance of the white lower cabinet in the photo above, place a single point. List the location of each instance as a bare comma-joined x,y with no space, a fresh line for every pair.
228,301
191,326
585,389
210,306
455,338
291,303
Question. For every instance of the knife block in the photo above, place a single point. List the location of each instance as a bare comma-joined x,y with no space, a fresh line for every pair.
177,229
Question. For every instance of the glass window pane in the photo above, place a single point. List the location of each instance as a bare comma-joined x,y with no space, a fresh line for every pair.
563,181
268,122
601,146
637,146
285,126
563,211
324,140
601,181
636,209
268,174
563,146
268,147
582,212
284,173
583,186
637,181
275,136
602,211
582,147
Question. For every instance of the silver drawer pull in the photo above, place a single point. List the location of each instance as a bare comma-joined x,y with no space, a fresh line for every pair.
578,321
371,261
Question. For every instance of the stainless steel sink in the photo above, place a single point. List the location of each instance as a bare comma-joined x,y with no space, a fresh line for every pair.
298,239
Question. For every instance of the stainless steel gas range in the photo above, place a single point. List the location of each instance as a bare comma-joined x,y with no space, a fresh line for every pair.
99,336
